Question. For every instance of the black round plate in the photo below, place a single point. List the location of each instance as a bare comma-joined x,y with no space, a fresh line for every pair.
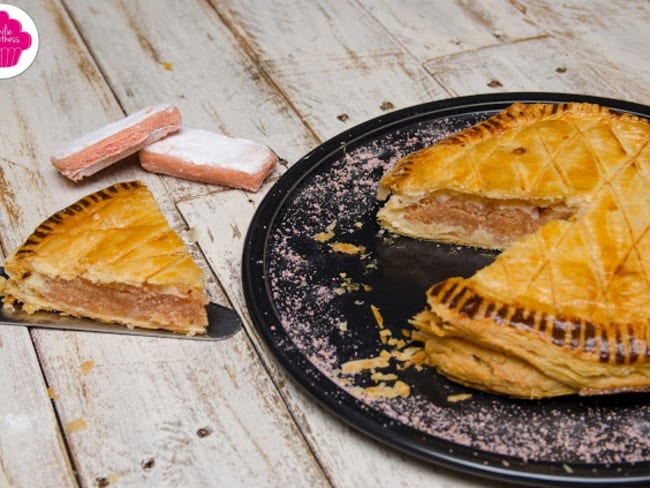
313,308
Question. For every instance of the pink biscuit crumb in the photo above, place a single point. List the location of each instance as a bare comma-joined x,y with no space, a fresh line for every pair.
94,151
201,155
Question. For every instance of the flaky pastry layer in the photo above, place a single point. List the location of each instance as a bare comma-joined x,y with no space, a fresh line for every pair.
528,352
150,307
467,220
527,158
110,256
566,307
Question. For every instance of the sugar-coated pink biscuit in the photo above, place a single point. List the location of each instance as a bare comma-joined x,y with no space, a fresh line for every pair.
94,151
210,157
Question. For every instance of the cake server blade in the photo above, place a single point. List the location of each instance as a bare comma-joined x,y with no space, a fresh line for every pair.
223,322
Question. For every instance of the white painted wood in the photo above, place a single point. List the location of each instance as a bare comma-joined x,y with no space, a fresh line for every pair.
334,62
306,31
231,393
335,95
61,96
135,412
31,449
610,36
163,412
430,30
221,238
505,69
197,65
300,79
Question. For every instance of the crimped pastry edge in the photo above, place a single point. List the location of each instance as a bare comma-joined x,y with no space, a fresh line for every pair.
587,357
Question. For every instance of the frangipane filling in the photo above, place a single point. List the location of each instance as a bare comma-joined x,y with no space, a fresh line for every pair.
503,220
167,308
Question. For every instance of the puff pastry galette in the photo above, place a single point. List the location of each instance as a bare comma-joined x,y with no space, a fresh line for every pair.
566,307
503,178
111,256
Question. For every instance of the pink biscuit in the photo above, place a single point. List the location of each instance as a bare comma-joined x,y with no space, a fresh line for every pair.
200,155
100,148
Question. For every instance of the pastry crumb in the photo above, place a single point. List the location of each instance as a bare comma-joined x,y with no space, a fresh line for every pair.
400,355
359,365
347,248
104,481
377,376
347,285
324,236
459,397
76,426
384,335
378,317
328,234
87,366
399,389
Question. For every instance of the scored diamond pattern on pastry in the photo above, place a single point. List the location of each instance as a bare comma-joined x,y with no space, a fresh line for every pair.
113,257
593,266
569,302
540,154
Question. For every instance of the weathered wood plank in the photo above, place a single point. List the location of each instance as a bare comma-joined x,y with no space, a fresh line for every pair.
183,385
335,63
430,30
197,65
32,452
167,412
61,96
31,448
504,69
289,75
306,31
271,38
611,37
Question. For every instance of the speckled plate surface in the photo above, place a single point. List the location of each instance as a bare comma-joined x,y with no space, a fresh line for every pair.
313,306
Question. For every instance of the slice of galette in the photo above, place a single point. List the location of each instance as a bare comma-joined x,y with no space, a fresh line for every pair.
505,177
112,257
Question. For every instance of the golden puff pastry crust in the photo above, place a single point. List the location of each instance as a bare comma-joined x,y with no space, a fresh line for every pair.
505,177
111,256
565,309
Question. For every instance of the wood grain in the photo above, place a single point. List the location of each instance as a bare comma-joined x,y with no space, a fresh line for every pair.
504,69
168,412
432,30
348,457
333,61
610,37
149,412
264,441
198,66
32,452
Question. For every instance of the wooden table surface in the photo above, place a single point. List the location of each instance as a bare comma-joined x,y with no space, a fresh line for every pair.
86,409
